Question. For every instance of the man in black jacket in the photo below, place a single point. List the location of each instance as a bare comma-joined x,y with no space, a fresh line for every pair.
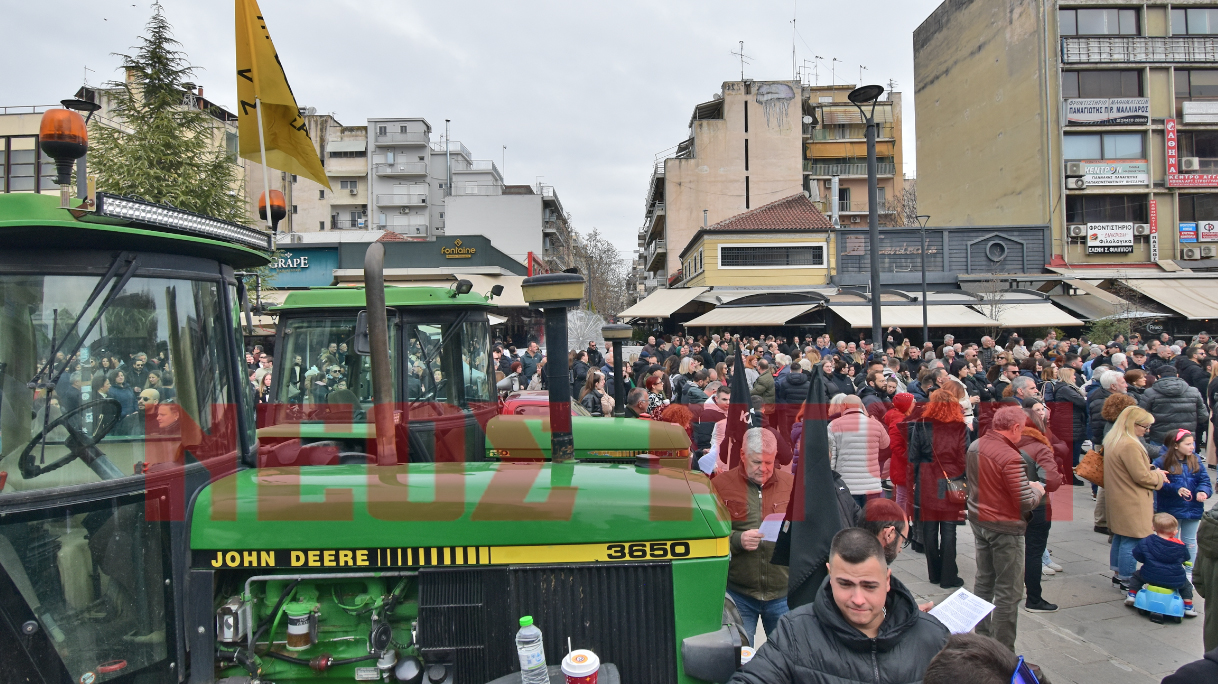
594,355
1067,400
1189,366
864,626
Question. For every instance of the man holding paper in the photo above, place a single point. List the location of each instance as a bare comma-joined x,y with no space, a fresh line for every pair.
753,493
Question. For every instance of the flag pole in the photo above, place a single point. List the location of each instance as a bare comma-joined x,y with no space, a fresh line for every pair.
266,174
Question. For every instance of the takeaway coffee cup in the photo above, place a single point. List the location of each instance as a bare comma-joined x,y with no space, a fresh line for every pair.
746,654
580,667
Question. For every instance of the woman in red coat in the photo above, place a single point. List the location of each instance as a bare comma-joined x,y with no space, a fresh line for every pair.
898,462
938,440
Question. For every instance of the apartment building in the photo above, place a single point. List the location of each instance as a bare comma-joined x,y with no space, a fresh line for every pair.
1099,119
754,143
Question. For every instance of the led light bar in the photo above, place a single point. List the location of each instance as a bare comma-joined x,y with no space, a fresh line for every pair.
178,220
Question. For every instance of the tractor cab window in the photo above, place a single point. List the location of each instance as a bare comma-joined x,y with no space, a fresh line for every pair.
323,371
448,359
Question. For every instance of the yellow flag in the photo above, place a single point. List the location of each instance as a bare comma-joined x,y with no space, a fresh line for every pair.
260,77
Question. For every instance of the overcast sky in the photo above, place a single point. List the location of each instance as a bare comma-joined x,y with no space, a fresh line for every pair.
583,95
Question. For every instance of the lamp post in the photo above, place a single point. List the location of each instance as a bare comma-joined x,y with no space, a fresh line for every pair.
618,333
923,219
860,96
555,293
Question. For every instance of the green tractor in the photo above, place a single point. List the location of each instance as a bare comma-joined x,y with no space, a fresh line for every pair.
149,533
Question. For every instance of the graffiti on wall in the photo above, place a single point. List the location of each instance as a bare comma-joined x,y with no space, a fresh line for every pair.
775,100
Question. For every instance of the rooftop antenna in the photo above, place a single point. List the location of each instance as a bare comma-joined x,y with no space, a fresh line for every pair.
744,59
892,86
794,14
816,69
833,72
861,70
87,70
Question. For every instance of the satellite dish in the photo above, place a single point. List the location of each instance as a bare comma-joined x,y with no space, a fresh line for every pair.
809,120
310,111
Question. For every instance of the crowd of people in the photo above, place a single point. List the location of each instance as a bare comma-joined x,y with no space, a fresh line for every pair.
135,381
980,432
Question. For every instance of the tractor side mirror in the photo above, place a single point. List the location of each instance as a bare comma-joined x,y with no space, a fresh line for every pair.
362,342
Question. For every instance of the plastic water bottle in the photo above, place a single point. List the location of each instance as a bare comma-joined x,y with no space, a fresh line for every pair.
532,653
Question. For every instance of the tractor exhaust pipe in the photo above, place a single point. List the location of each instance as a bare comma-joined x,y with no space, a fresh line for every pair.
378,343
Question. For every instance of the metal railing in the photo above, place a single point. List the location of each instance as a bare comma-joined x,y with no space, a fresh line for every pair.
32,109
484,165
455,147
812,168
654,248
1139,49
477,189
400,169
400,200
348,224
408,137
851,132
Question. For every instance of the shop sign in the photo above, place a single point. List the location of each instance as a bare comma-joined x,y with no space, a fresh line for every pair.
457,251
1175,179
304,268
1188,232
1109,238
1116,111
1207,231
1130,172
856,245
1154,230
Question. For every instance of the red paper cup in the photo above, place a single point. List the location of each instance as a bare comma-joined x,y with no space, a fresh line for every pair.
580,667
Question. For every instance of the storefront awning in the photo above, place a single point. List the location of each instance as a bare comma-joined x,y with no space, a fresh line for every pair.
1032,315
1193,298
496,320
663,302
751,315
937,316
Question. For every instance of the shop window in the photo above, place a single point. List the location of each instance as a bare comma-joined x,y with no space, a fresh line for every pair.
1106,209
1203,144
1196,22
771,256
1103,83
1077,146
1196,83
1098,22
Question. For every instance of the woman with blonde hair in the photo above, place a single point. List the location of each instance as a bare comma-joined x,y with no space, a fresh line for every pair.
1129,487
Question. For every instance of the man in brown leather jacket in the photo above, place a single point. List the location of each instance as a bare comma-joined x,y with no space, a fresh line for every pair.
752,492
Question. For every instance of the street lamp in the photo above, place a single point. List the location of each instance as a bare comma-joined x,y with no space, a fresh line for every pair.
618,333
860,96
555,293
923,219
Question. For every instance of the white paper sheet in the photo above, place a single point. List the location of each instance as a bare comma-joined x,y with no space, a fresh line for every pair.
961,611
771,525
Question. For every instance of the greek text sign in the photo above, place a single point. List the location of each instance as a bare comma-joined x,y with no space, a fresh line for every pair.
1116,111
1109,238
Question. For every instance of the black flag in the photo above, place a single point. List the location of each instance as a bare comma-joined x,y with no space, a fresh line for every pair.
737,412
813,516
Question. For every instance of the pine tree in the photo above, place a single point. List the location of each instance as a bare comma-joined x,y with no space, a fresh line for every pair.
168,151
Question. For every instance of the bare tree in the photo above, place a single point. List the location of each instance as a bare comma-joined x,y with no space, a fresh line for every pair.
904,205
993,302
605,270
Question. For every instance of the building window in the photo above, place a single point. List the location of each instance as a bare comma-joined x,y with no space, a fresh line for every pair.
1204,146
1106,208
1195,22
349,155
295,209
1098,22
382,130
746,193
1079,146
321,225
771,256
1196,83
1103,83
321,194
1199,207
403,129
293,178
348,185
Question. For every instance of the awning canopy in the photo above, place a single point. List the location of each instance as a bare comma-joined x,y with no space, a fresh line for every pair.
663,302
513,293
347,146
496,320
751,315
937,316
1033,315
1193,298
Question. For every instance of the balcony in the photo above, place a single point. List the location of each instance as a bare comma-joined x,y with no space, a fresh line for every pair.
657,249
851,132
400,200
1139,49
418,137
454,147
401,169
472,188
653,283
348,224
482,165
826,170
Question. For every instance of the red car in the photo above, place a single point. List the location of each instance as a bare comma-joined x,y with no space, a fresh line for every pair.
534,403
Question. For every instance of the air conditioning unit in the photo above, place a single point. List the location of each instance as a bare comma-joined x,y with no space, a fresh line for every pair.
829,183
1191,253
1209,251
1075,184
1074,169
854,219
1190,164
1077,230
1141,229
354,191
